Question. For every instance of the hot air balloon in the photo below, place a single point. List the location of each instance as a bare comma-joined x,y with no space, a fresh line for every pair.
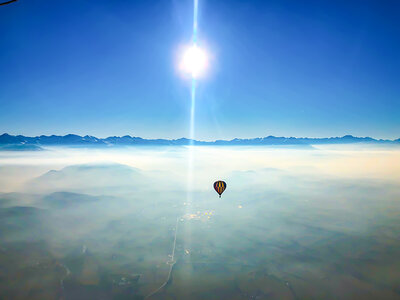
219,187
8,2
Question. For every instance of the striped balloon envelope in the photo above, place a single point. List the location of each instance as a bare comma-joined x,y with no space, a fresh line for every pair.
219,187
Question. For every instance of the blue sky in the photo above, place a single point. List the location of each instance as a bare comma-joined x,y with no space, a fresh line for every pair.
287,68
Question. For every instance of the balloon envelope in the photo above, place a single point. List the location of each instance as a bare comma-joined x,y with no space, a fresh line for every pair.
219,187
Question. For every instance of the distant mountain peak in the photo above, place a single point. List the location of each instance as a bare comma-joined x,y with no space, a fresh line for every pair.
74,139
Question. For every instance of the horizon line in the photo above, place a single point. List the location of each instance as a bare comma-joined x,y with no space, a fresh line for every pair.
215,140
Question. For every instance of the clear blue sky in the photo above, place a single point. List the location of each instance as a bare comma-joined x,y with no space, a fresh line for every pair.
287,68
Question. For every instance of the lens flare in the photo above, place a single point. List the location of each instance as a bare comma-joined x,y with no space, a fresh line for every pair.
194,61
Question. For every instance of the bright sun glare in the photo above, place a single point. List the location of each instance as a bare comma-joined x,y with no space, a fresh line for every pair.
194,61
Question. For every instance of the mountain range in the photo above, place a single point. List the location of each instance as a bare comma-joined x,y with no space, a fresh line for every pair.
73,139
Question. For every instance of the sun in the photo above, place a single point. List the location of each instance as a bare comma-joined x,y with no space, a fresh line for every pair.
194,61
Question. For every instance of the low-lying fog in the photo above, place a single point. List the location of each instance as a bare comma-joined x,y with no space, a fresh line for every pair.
319,222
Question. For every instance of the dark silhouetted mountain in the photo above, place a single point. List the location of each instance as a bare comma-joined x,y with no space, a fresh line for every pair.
92,177
72,139
67,199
